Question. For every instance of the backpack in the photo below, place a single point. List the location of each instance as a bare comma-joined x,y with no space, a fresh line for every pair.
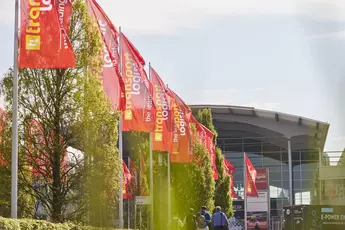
201,221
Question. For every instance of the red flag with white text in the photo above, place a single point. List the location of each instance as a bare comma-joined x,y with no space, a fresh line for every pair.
161,137
139,112
41,36
113,84
180,145
250,178
64,11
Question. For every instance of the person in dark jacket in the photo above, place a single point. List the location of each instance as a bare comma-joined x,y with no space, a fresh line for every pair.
257,227
189,221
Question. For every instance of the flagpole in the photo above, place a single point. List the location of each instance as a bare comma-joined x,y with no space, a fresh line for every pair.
120,145
128,200
245,190
169,186
151,170
169,189
14,165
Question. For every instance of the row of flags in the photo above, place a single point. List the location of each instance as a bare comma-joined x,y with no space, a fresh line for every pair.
145,102
249,170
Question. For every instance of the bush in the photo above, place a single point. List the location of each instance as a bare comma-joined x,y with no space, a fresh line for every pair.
30,224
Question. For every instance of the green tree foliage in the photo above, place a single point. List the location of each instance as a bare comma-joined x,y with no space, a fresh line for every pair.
25,224
98,132
222,188
71,109
137,146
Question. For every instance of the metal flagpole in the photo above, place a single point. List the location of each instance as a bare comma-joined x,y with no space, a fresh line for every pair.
169,189
169,186
14,166
151,170
128,201
120,145
245,190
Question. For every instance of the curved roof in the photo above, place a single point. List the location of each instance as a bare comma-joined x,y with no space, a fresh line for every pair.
249,122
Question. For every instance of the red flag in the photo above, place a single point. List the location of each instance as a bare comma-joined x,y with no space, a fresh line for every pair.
64,11
37,154
113,84
40,37
134,174
139,112
161,140
180,146
210,146
230,170
126,180
250,178
205,137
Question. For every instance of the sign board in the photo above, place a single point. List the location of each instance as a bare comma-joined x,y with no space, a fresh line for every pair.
142,200
314,217
258,207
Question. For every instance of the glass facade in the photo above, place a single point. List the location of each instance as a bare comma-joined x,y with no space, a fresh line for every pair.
263,154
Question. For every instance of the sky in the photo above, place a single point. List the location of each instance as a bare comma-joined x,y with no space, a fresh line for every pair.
281,55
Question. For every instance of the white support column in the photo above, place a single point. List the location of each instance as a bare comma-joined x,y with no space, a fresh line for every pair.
290,173
245,191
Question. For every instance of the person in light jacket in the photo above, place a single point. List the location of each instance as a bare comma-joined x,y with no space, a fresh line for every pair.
219,220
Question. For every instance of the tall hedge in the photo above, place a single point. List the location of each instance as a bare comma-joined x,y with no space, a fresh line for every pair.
192,183
29,224
222,189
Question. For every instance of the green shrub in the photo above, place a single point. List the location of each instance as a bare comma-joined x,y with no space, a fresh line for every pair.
30,224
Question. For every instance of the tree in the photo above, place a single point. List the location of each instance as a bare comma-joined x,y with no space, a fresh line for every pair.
69,108
222,188
98,132
137,147
192,183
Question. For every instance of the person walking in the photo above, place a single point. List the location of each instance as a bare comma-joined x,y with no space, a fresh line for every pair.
190,220
219,220
206,214
201,223
257,227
